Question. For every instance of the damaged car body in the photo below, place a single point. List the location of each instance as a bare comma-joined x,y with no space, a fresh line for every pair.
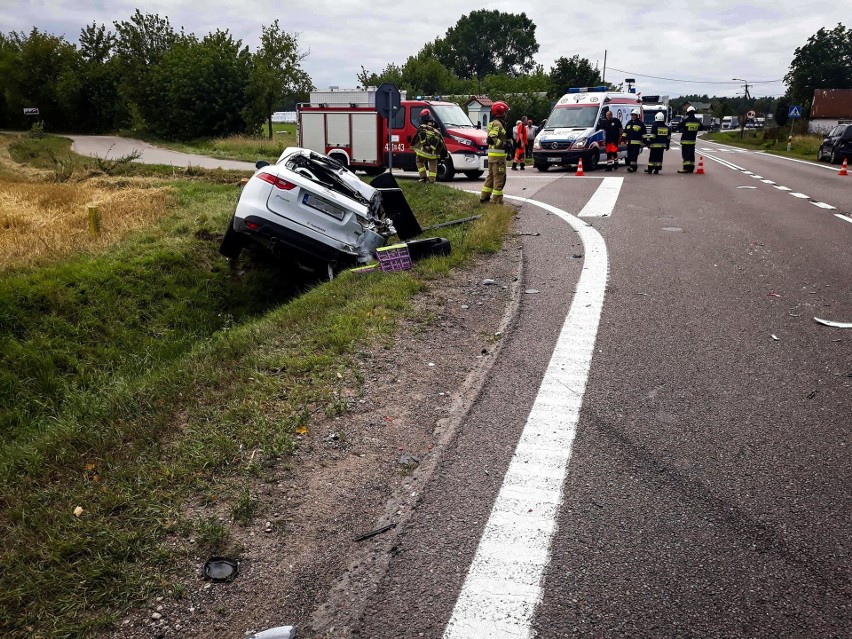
309,209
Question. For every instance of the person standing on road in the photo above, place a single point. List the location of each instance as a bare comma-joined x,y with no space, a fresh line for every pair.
658,139
497,143
612,136
428,144
521,140
634,133
689,128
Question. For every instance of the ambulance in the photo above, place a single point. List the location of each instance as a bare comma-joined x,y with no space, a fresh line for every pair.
571,134
345,125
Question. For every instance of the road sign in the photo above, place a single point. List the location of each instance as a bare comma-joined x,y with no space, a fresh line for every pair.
387,99
795,111
31,111
751,115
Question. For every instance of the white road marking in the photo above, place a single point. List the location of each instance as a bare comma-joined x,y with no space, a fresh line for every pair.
801,196
783,188
767,181
503,586
603,201
748,172
756,177
843,217
823,205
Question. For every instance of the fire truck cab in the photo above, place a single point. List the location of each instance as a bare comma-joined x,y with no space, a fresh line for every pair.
345,125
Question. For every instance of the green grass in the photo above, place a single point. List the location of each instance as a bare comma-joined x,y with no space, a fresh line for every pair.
249,148
772,141
144,378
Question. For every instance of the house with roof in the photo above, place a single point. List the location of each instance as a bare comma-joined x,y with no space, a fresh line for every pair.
479,109
830,107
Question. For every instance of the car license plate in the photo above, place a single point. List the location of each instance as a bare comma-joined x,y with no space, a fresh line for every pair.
554,159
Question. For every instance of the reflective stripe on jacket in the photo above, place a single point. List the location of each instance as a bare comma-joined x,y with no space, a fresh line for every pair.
496,139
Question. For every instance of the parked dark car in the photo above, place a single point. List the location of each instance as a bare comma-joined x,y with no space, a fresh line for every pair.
837,144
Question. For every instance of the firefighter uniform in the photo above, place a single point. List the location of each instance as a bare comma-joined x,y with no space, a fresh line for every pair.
689,128
634,132
658,140
428,144
496,179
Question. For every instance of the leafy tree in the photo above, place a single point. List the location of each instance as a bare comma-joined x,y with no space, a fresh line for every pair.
392,73
825,62
781,111
572,72
202,88
277,73
140,44
39,62
90,91
487,42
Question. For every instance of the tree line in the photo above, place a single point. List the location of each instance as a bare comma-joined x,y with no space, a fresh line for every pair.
143,76
146,77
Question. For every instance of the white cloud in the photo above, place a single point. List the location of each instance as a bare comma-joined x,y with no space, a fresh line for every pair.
697,48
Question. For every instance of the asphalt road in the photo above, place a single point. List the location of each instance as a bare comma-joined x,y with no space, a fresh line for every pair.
109,146
703,480
707,487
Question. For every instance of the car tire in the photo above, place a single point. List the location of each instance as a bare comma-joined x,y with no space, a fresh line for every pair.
819,154
446,171
833,157
232,243
373,171
594,159
542,167
474,175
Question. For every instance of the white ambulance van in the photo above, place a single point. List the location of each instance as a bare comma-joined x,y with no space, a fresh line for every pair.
571,132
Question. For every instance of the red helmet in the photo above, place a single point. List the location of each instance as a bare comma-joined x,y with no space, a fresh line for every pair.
425,115
498,109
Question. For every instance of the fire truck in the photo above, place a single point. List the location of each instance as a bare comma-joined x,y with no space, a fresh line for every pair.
345,125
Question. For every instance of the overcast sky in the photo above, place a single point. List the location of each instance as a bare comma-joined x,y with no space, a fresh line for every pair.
673,48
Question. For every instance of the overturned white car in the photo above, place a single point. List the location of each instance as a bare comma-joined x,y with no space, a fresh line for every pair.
309,209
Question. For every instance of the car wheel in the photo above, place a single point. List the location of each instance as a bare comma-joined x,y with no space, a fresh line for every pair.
446,171
819,154
373,171
232,243
474,175
594,160
542,167
833,157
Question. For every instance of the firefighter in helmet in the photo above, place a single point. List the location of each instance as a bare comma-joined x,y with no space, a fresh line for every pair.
658,139
497,145
428,145
689,128
634,131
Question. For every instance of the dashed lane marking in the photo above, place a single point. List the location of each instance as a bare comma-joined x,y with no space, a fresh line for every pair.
843,217
603,200
801,196
823,205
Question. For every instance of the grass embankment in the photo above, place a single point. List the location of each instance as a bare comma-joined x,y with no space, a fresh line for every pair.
773,140
142,374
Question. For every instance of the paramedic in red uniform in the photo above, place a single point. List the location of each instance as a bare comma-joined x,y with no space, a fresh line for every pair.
612,136
521,143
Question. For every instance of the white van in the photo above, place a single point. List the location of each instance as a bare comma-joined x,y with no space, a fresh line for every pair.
571,130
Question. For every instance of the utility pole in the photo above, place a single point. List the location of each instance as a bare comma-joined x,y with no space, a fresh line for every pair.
747,97
603,78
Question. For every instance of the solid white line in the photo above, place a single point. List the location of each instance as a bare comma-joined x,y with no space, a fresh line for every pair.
801,196
503,586
731,166
843,217
823,205
603,201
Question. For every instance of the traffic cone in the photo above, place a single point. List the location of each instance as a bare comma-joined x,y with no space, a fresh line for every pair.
843,170
580,168
700,170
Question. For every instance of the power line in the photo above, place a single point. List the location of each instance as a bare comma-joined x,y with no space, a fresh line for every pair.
642,75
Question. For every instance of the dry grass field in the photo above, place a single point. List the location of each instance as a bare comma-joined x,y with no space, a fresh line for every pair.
42,221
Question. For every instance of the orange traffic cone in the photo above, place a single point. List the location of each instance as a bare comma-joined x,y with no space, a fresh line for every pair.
700,170
580,168
843,170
